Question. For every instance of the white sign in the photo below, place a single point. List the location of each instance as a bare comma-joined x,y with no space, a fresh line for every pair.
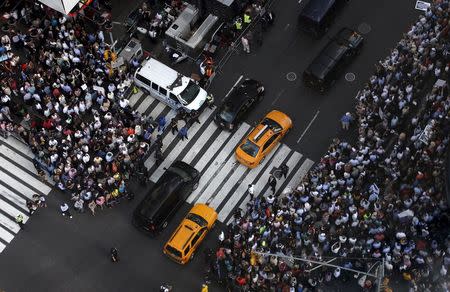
422,5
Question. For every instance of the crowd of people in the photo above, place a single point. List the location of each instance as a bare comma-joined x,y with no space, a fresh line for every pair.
378,202
74,111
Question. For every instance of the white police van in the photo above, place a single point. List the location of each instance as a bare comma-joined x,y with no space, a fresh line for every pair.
169,86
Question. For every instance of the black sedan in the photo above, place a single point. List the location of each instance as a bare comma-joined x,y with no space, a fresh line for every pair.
238,102
165,197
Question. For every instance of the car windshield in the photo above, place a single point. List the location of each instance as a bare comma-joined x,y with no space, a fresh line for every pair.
190,93
197,219
271,124
250,148
173,251
227,113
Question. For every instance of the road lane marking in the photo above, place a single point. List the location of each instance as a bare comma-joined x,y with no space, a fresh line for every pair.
309,125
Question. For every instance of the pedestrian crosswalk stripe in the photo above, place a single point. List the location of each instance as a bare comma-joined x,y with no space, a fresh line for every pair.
241,190
223,183
193,129
25,176
212,150
263,180
292,162
11,211
5,235
230,181
220,160
223,175
139,101
17,184
9,224
200,142
168,139
13,198
23,161
18,145
157,110
302,171
135,97
145,104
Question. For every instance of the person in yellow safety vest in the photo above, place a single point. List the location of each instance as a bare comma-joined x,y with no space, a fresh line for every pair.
247,18
108,55
204,288
238,24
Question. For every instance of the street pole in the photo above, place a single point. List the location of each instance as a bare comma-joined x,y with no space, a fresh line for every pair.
380,275
318,263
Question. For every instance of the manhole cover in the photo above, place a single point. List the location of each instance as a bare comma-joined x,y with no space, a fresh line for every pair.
350,77
364,28
291,76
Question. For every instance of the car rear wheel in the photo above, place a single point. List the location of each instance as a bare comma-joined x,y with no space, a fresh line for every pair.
164,224
195,186
192,256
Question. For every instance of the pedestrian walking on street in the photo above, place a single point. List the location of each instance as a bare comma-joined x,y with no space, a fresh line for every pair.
272,182
161,123
183,133
284,170
114,253
42,202
19,221
92,205
65,210
32,207
246,44
174,126
346,120
251,191
193,117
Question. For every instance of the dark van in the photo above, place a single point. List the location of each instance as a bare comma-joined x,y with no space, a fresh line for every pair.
327,66
166,197
318,15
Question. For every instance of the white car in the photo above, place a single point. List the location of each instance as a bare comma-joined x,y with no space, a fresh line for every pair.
169,86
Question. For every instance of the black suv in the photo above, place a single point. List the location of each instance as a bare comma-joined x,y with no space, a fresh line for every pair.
166,197
318,15
237,103
329,64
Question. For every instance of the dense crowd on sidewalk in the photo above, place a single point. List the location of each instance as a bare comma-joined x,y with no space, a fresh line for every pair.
380,199
76,117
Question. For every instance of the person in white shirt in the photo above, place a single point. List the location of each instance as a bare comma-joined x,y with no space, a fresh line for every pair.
65,210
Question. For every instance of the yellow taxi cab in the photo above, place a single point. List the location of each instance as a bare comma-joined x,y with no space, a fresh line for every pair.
264,137
190,233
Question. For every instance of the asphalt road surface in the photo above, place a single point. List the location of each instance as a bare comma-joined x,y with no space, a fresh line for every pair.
54,253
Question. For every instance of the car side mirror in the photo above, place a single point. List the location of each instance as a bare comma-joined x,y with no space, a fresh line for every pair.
165,168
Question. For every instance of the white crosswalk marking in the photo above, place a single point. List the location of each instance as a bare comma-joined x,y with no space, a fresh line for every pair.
11,211
14,198
263,180
14,143
144,104
223,183
5,235
212,127
193,129
157,110
220,160
243,186
135,97
302,171
18,182
25,176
